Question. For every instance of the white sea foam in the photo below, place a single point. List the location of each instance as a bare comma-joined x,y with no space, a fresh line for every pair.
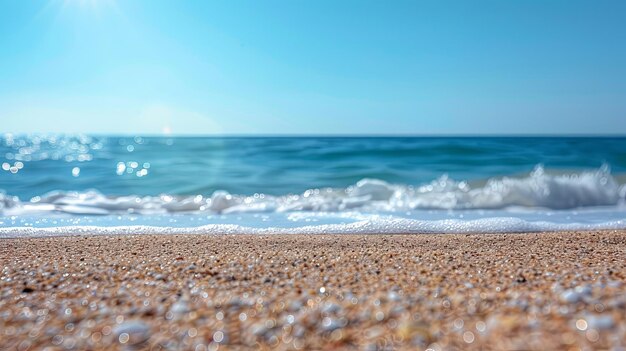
372,225
537,190
538,202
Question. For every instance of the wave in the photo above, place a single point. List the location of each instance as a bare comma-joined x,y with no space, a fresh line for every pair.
537,190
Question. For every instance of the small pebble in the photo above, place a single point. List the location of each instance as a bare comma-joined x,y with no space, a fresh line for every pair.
132,332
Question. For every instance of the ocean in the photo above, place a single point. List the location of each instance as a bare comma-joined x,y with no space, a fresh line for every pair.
77,184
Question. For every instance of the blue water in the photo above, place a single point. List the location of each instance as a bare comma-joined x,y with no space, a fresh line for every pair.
61,180
185,166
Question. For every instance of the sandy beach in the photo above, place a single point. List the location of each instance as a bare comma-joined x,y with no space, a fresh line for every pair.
538,291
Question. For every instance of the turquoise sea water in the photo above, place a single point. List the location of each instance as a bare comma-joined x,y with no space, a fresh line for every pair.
287,183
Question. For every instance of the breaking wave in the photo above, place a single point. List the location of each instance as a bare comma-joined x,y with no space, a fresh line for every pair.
538,189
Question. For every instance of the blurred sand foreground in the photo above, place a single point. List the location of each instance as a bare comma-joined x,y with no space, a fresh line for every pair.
542,291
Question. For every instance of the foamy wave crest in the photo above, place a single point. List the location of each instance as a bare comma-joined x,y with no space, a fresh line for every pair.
537,190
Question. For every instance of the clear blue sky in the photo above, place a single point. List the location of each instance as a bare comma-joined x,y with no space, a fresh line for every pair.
313,67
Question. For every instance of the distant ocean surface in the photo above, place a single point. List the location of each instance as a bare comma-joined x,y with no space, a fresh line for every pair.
78,184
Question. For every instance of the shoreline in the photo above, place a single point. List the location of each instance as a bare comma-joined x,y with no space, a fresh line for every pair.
138,231
545,290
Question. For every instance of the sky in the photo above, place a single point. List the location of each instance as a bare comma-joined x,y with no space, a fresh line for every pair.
313,67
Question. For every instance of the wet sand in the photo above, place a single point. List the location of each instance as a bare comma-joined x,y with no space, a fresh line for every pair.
440,292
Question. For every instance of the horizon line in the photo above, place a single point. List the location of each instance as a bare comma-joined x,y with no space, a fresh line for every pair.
338,135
